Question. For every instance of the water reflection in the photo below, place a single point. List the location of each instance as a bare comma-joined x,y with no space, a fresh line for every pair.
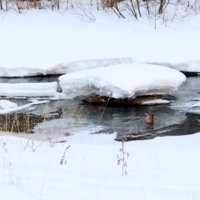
22,122
38,79
130,121
66,117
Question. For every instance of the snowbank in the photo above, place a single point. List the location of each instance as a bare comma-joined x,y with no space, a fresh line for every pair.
180,62
166,167
44,42
9,192
121,81
28,89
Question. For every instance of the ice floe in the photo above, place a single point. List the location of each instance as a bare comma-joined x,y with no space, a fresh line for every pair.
7,106
28,89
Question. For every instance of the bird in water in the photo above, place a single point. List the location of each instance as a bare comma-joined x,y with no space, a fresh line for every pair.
149,119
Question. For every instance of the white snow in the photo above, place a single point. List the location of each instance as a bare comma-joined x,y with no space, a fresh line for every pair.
28,89
41,42
44,42
192,106
163,168
13,192
179,62
155,101
188,97
7,106
121,81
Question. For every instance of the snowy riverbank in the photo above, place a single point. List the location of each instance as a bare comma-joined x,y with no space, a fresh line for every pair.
162,168
45,42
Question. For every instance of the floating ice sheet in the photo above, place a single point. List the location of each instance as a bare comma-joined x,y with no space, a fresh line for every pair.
155,101
7,106
28,89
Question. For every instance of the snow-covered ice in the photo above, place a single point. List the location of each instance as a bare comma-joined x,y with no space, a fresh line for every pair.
155,101
28,89
7,106
119,81
122,81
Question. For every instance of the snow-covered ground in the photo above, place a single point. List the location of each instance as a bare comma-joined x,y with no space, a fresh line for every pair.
44,42
163,168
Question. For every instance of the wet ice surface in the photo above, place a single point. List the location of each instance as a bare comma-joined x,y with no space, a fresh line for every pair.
188,96
67,117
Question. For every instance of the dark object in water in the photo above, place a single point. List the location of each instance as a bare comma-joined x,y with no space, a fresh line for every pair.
127,101
149,119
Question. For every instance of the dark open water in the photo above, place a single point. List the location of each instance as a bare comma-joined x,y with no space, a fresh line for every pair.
68,116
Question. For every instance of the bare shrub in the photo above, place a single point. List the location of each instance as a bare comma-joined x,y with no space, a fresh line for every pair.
63,159
123,156
164,11
110,3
